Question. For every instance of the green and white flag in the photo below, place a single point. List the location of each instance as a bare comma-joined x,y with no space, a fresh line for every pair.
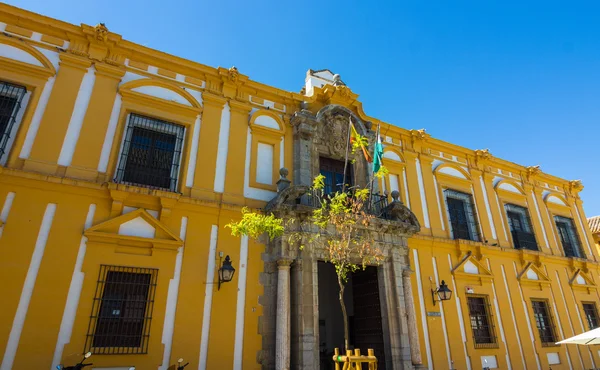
378,153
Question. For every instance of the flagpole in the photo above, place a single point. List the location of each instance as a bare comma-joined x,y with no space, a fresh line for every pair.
373,178
347,150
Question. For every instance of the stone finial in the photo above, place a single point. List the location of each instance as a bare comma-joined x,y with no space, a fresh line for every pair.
575,186
395,195
337,80
233,74
283,182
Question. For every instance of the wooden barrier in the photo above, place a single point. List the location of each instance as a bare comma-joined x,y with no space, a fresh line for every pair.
354,362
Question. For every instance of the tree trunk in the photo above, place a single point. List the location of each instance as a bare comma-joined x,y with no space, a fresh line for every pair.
344,313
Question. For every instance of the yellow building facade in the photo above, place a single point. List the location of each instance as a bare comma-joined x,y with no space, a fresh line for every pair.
121,165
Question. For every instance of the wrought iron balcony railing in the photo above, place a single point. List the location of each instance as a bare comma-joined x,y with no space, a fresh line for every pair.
524,240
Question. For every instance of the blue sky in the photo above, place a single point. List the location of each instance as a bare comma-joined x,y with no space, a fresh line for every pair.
521,78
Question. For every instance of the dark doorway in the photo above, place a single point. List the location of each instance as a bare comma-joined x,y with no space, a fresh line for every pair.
334,174
364,314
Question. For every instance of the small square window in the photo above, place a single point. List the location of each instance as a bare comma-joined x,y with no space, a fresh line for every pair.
151,153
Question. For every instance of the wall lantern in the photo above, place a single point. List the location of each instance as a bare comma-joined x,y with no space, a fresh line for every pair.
225,272
443,293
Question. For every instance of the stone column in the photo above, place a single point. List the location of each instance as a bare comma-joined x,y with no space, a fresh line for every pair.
282,334
413,334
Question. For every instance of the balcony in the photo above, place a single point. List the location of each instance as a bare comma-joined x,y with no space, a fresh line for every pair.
375,205
524,240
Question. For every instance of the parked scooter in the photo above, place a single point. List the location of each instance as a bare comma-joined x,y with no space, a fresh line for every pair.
179,364
81,365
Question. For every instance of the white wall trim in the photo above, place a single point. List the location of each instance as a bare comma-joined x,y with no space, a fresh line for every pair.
172,296
110,134
437,198
208,293
446,341
461,323
221,169
77,116
238,347
537,210
249,192
583,329
191,170
501,216
281,154
562,295
68,318
529,322
512,314
34,126
28,285
10,197
499,316
406,187
422,304
488,209
562,334
422,192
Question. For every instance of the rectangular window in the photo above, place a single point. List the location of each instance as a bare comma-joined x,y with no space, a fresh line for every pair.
122,310
334,174
568,237
151,153
11,101
264,163
461,214
591,314
544,322
481,322
520,227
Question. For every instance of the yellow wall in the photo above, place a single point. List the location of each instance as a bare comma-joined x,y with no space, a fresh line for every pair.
212,188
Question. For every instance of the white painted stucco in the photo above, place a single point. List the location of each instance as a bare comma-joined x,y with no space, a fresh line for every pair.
191,170
489,361
196,94
266,121
36,119
580,280
130,76
509,187
422,193
470,268
208,294
74,129
394,183
162,93
405,187
264,163
443,317
137,227
553,358
240,305
250,192
555,200
27,291
222,148
461,323
68,318
525,309
110,135
499,318
392,155
488,208
10,197
531,275
51,55
11,52
422,306
452,172
512,315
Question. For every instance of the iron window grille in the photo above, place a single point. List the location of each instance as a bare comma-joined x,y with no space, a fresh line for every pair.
333,171
520,227
480,314
122,310
11,99
591,314
151,153
568,237
544,322
462,216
